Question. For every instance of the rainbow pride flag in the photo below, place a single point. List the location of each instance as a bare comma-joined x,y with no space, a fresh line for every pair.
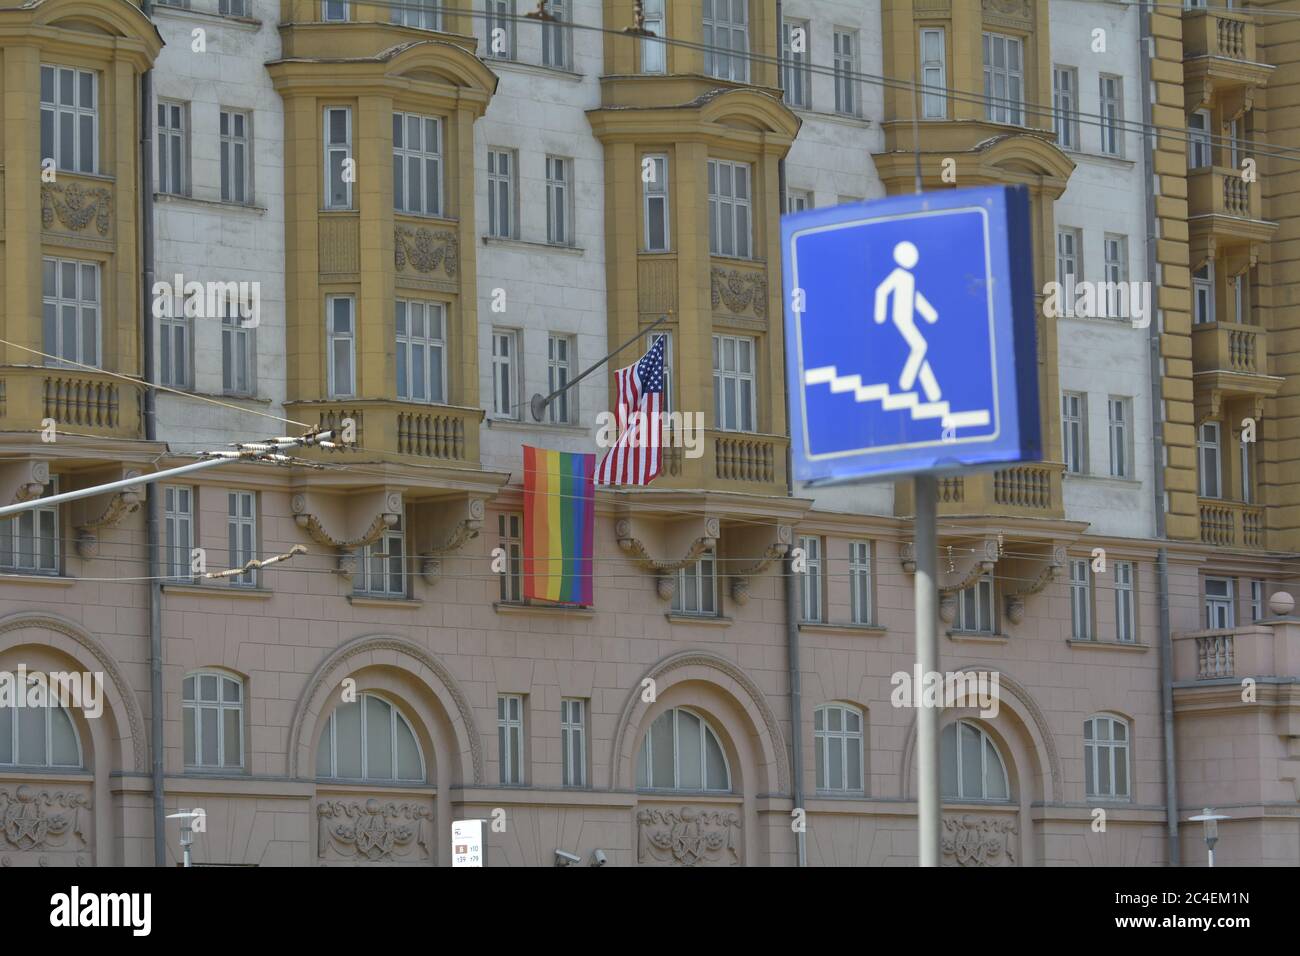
559,519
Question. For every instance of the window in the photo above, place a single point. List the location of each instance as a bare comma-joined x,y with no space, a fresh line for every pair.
241,533
845,65
559,201
42,736
1065,103
29,541
734,383
726,39
1115,249
682,752
668,367
212,708
173,162
339,312
1220,601
654,194
697,588
970,766
1004,85
1198,140
70,310
501,29
1256,601
501,193
505,375
510,737
1125,618
975,607
1112,115
1121,436
810,595
797,71
173,348
652,50
178,532
236,353
555,36
369,739
1074,430
573,741
728,208
1240,298
233,8
510,539
1208,458
417,164
236,157
1081,600
559,351
334,10
1069,263
381,566
1234,143
1203,294
1247,471
861,605
1105,758
837,730
338,155
934,73
421,14
421,351
798,200
70,118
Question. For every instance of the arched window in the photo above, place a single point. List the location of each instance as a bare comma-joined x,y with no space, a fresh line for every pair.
972,768
212,705
1105,757
368,739
837,729
682,752
37,736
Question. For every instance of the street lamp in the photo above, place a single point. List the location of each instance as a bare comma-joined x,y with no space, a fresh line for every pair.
187,829
1211,821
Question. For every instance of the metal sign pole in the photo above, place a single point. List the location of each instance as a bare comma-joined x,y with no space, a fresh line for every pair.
925,489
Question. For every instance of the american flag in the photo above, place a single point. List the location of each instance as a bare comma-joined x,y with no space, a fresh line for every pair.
636,457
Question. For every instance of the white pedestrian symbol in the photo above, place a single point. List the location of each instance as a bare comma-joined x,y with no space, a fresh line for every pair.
901,284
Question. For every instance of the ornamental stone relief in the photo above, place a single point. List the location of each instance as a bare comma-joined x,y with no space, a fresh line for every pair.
373,832
740,291
51,823
691,836
75,205
426,249
980,841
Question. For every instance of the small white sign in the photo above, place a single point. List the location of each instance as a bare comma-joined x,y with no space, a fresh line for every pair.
467,843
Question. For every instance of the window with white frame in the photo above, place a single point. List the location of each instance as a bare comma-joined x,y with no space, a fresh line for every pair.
1241,298
369,739
421,14
971,767
682,752
975,607
417,164
555,36
29,541
510,737
173,158
653,50
798,200
1004,81
934,73
668,367
559,370
1069,263
1234,143
654,196
1081,600
1105,758
178,532
502,180
1115,267
796,46
729,208
212,708
334,10
505,373
559,200
845,68
236,353
241,535
1125,603
340,318
1065,106
39,736
338,157
734,383
1199,153
861,593
233,8
70,118
837,734
1111,91
1246,454
511,540
1256,600
381,565
1074,431
1209,460
173,348
500,42
726,39
697,588
70,310
812,581
573,741
1120,415
235,130
1220,604
421,351
1203,294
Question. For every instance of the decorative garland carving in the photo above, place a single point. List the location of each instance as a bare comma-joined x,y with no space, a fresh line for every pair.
123,503
77,206
426,249
774,552
1015,599
28,820
740,290
347,559
373,831
687,837
980,841
636,550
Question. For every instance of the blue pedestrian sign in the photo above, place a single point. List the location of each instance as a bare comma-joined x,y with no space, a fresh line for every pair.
910,340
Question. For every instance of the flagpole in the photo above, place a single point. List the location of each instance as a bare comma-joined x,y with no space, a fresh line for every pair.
539,402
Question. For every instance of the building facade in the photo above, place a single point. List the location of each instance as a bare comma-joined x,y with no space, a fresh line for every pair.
406,220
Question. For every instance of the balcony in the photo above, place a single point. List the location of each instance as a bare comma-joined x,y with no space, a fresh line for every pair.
1029,491
729,461
1230,363
1269,648
1232,524
1223,208
391,430
86,403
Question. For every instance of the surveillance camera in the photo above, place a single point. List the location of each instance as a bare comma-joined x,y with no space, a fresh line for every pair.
598,858
563,858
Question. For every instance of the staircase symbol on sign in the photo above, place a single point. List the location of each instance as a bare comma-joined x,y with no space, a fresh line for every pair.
893,401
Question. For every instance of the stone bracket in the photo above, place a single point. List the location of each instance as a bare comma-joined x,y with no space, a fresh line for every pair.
770,543
959,566
442,527
1028,576
23,480
90,516
346,522
663,547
